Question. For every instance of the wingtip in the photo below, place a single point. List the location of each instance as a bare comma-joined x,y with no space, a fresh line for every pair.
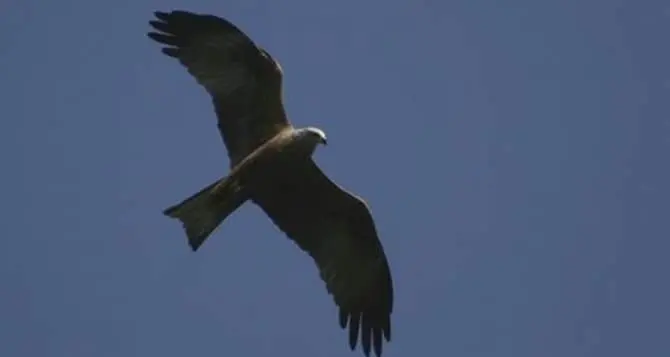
387,332
156,24
166,15
172,52
371,330
354,330
154,36
377,342
162,15
344,318
366,349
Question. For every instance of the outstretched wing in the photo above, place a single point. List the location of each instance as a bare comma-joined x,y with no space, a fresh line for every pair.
337,230
245,82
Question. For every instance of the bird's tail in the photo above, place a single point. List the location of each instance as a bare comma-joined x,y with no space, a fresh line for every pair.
203,212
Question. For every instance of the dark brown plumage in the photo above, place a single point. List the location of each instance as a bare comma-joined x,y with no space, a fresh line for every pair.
271,165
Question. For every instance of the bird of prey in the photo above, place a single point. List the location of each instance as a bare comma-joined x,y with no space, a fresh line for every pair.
271,165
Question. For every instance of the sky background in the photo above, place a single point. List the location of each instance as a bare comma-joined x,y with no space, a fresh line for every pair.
514,155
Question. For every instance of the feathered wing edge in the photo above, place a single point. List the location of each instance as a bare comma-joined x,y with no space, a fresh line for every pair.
336,229
243,80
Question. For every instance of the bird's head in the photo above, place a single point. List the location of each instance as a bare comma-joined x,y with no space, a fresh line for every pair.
307,139
313,136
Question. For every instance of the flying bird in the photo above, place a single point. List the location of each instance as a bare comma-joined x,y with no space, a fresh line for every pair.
271,165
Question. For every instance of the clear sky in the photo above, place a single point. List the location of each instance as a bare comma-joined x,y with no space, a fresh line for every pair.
514,155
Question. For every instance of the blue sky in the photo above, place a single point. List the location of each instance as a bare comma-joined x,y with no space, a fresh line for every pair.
514,155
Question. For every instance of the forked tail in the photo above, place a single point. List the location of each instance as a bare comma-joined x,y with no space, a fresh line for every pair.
203,212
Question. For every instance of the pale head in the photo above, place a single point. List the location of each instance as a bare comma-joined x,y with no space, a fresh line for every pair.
310,137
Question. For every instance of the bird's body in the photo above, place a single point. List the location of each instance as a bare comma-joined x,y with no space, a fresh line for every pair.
271,165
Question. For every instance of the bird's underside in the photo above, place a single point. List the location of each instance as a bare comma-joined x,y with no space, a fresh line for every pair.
271,166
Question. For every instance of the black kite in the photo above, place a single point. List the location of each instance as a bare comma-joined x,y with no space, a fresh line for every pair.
271,165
